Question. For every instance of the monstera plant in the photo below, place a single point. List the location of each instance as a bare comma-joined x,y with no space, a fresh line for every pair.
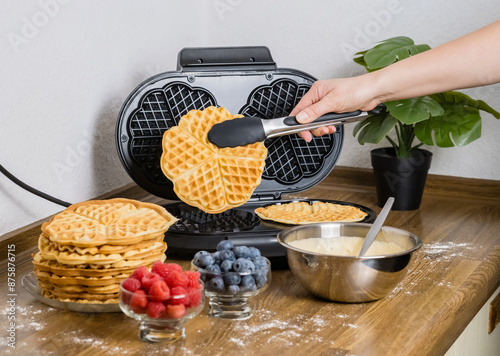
445,119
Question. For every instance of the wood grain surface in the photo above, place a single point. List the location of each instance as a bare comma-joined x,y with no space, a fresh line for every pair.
449,280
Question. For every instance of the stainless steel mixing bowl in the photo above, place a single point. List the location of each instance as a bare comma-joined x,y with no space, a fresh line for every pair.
345,278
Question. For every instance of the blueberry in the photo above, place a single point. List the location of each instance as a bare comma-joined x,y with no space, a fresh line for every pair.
250,266
260,263
241,251
243,265
203,261
201,253
233,289
260,279
215,284
215,269
232,278
248,283
225,245
216,257
226,266
227,255
254,252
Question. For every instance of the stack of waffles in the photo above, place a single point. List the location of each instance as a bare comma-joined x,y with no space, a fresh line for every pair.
300,213
89,248
210,178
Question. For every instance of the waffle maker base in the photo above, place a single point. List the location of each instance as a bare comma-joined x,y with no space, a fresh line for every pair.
244,80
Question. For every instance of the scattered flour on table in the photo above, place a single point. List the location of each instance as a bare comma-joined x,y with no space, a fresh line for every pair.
30,317
435,256
444,251
286,333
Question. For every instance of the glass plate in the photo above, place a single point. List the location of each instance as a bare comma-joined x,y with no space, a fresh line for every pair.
30,283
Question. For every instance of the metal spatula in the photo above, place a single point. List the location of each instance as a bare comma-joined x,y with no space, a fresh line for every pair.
247,130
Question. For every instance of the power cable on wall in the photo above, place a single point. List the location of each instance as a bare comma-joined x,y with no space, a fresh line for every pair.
31,189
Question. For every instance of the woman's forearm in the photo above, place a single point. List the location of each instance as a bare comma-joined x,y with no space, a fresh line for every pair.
469,61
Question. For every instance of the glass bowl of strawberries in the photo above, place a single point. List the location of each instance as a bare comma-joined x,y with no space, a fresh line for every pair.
232,276
162,299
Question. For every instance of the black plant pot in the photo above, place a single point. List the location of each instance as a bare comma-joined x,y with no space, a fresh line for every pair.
401,178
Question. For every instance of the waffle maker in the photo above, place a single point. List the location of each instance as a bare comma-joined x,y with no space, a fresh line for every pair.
244,80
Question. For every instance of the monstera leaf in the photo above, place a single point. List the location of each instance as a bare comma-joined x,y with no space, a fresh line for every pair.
374,128
458,126
410,111
388,52
461,99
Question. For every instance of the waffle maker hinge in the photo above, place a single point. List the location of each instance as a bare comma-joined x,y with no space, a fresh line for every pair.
265,197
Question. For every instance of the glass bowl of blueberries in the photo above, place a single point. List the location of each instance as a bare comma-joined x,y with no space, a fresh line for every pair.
232,276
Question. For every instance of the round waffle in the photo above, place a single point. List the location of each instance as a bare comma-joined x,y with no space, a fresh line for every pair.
204,175
300,213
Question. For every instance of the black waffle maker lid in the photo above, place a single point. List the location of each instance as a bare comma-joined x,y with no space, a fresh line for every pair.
244,80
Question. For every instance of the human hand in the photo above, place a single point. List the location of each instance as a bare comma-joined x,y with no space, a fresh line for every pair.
334,95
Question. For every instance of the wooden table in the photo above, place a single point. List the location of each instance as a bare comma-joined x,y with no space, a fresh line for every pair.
449,280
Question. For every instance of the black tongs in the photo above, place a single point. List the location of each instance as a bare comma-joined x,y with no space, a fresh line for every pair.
247,130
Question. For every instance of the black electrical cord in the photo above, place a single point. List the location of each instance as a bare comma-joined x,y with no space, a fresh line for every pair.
31,189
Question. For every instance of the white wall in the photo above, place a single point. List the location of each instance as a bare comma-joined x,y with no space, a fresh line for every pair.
67,66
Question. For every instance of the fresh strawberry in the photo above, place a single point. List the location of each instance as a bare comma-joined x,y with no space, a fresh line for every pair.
131,284
155,309
140,272
138,301
177,279
193,279
176,311
178,295
159,291
149,279
194,297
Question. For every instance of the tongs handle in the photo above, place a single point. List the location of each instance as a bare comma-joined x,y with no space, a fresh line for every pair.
290,124
332,116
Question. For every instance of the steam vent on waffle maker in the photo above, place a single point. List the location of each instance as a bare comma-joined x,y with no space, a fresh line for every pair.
210,178
89,248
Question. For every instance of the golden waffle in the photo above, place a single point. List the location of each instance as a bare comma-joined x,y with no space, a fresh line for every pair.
104,249
107,222
42,264
48,277
72,258
81,297
112,299
73,288
210,178
299,213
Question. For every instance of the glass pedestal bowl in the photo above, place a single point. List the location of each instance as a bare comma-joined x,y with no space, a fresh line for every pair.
168,325
231,299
